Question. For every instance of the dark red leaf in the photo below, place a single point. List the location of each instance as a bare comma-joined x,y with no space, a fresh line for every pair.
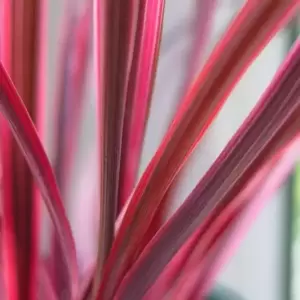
24,132
238,48
139,92
252,146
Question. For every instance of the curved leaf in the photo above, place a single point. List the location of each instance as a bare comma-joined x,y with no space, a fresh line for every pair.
24,132
272,124
253,27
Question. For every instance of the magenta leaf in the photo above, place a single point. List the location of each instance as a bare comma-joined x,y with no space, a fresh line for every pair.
24,132
252,146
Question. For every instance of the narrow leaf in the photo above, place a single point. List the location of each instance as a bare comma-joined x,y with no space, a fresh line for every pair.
174,272
139,92
110,118
228,219
24,132
281,167
272,124
257,192
209,92
5,30
115,37
19,203
9,266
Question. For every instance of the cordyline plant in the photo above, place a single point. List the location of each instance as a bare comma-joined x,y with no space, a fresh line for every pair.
139,255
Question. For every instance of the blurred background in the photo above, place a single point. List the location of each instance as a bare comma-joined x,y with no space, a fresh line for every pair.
260,269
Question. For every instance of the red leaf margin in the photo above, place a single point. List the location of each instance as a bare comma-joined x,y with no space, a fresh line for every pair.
210,195
200,106
24,132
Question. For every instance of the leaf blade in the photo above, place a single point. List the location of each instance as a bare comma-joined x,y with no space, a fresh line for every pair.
139,91
23,130
252,145
189,126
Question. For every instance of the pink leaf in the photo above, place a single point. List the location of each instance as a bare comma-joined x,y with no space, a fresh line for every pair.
253,145
241,44
24,132
139,92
